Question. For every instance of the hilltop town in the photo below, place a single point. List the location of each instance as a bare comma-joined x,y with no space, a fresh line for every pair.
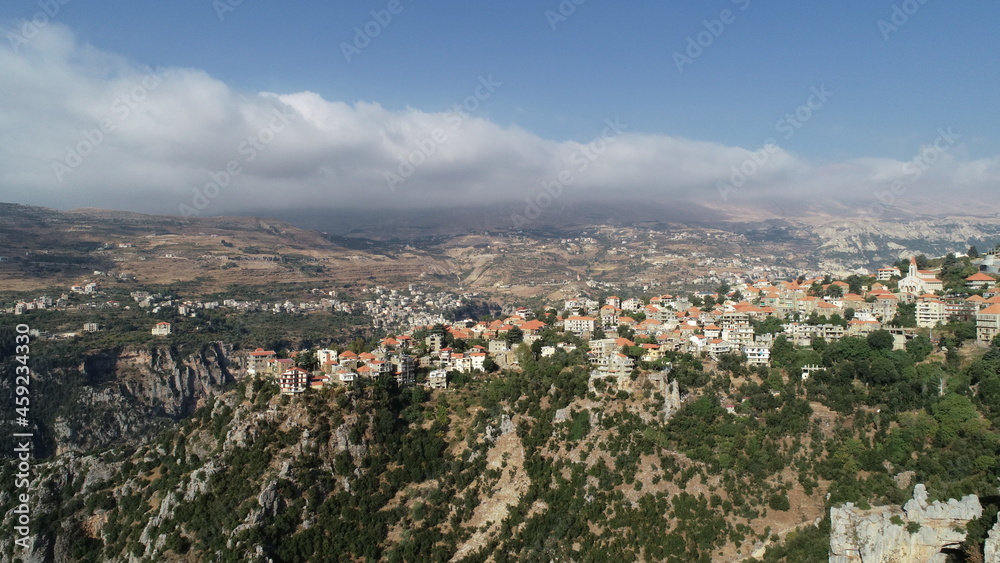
754,319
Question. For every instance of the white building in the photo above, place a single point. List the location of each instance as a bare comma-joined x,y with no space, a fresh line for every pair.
930,313
438,379
580,325
919,282
294,380
757,355
988,324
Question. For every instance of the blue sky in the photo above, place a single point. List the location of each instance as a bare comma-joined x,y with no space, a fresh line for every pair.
892,89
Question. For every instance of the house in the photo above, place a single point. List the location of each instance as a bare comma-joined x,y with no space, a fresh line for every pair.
862,328
616,364
319,381
478,360
988,324
718,347
438,379
886,274
405,369
930,312
604,346
651,352
161,329
90,327
326,356
632,304
827,310
434,342
757,355
461,363
609,316
381,367
258,360
532,327
980,280
579,325
293,381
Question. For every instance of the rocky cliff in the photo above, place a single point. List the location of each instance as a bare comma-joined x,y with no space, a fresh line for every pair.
919,533
991,549
135,391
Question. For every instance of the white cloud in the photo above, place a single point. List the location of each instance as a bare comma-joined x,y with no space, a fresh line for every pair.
173,128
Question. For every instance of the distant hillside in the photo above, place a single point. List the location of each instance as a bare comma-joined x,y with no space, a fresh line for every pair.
45,248
479,248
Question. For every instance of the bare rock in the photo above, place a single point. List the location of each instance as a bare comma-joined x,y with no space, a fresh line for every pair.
916,534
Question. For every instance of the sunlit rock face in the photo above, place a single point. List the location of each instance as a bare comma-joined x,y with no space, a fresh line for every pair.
916,534
991,549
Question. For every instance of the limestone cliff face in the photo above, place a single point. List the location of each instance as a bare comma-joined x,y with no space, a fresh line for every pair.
991,549
134,391
916,534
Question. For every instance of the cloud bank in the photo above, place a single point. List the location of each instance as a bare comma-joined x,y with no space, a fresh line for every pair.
83,127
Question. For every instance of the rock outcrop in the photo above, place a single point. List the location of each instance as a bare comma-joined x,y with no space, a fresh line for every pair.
134,392
991,549
916,534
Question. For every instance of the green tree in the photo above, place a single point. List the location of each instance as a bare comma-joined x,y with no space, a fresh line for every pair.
769,325
856,283
514,335
307,360
489,365
782,352
906,315
973,252
920,347
881,340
